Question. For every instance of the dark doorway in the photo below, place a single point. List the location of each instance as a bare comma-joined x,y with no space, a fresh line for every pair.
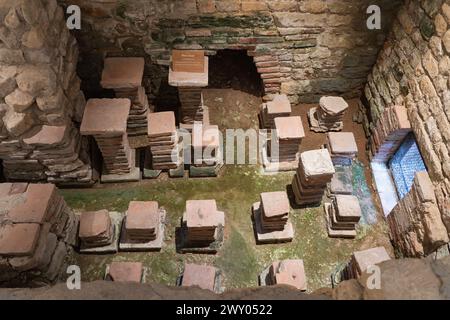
234,69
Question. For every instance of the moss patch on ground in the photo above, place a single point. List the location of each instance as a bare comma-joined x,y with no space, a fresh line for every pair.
240,259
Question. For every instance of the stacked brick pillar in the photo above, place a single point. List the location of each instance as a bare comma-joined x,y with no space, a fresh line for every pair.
40,94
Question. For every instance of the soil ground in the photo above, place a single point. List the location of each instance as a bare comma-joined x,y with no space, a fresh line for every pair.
238,187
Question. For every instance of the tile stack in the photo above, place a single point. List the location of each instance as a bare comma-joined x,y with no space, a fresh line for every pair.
415,224
271,216
278,107
203,276
96,229
342,147
342,216
53,147
143,220
328,115
206,145
189,72
125,272
165,144
314,172
289,134
106,120
124,76
362,260
37,234
274,210
390,130
192,107
287,272
202,223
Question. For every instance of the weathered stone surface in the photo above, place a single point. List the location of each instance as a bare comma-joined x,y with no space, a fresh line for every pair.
37,81
18,123
33,39
19,100
419,79
11,57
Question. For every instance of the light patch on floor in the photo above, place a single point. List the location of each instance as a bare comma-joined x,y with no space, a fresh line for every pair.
385,186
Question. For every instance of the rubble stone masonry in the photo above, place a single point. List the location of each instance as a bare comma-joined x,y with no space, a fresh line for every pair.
305,49
40,98
413,70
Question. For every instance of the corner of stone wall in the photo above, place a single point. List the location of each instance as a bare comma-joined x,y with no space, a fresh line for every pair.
41,104
413,70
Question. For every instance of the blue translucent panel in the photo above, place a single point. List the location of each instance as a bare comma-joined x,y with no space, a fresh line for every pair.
404,164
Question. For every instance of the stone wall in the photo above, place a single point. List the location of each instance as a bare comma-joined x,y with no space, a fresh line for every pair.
413,70
303,48
40,98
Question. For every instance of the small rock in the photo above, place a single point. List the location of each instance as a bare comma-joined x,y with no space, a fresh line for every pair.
19,100
33,39
12,20
11,57
38,81
17,123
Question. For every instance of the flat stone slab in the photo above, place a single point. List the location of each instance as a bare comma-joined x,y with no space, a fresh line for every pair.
116,220
122,73
275,203
317,163
105,117
155,245
279,104
342,143
289,128
189,79
262,237
143,276
161,123
333,104
347,234
203,276
47,135
19,239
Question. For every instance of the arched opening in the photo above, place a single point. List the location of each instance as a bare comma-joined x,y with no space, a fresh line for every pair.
235,90
234,69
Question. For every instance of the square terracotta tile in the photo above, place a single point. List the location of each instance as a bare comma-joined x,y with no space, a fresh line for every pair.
19,239
122,73
35,209
275,203
289,128
105,116
161,123
94,223
142,215
126,271
199,275
342,142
